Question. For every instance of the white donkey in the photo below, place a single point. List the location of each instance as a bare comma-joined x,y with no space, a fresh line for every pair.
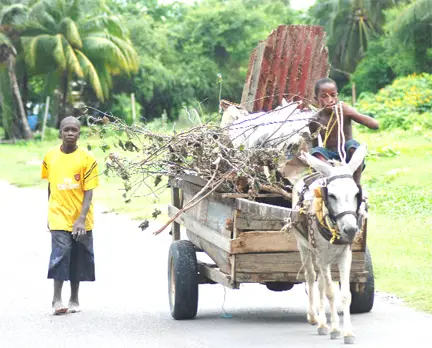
330,204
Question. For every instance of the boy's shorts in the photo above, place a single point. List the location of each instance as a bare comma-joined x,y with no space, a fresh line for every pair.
331,155
70,259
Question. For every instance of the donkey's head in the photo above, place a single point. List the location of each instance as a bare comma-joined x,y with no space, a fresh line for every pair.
341,194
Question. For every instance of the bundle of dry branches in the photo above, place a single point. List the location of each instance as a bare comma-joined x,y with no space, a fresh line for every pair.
205,151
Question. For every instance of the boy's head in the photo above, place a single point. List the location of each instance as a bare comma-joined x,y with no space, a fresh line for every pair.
70,129
326,93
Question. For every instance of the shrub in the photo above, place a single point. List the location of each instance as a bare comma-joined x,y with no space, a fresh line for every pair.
122,108
405,104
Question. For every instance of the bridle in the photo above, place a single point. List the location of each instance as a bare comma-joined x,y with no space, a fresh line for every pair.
324,193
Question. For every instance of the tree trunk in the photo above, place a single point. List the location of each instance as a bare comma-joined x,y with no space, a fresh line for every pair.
25,90
7,105
64,88
26,131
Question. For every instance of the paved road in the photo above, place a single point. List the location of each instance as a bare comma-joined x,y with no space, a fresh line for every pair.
127,306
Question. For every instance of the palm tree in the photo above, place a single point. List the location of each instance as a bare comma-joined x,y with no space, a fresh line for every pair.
63,41
350,25
14,119
415,17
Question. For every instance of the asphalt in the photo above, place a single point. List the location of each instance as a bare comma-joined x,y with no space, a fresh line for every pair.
127,306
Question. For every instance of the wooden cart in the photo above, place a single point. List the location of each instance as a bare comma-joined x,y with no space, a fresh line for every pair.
245,242
241,236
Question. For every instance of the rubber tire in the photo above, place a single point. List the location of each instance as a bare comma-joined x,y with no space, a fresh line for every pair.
183,278
363,302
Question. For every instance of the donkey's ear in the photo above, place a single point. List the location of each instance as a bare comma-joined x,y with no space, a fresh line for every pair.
315,163
357,158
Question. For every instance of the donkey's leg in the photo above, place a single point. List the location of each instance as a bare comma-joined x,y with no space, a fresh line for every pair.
344,271
322,319
306,257
334,331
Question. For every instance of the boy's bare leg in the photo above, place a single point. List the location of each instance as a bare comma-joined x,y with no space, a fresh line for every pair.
57,302
73,301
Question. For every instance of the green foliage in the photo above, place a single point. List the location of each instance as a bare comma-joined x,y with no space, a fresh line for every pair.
183,48
404,47
409,29
60,37
122,108
350,26
375,70
405,104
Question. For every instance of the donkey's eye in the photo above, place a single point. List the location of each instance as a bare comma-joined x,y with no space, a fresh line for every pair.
332,196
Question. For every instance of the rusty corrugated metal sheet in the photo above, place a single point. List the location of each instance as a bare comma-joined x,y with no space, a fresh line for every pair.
287,64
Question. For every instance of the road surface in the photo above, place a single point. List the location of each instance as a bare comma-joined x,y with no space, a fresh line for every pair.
127,306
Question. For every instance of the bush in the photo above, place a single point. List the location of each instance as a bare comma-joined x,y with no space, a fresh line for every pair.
375,70
405,104
122,108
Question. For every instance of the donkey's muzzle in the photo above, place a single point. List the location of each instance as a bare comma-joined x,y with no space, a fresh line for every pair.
350,232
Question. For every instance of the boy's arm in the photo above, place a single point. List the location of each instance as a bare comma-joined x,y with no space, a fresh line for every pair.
79,225
359,118
313,127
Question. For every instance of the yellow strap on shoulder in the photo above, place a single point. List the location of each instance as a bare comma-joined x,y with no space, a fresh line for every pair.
329,129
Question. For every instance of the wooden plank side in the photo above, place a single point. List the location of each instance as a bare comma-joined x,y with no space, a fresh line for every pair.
214,211
175,200
292,277
261,210
214,274
284,262
245,222
201,230
260,241
220,257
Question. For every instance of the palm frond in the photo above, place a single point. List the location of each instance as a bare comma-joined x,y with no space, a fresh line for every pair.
417,14
74,11
99,48
38,48
58,52
126,48
39,16
106,80
70,31
15,15
110,24
90,74
72,61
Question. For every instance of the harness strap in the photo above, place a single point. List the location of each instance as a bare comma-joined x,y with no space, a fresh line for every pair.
348,212
342,176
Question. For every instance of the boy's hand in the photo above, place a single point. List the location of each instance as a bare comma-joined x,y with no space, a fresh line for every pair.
78,229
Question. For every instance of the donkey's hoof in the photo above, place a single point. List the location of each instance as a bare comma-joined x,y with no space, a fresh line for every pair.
312,319
334,335
323,331
349,339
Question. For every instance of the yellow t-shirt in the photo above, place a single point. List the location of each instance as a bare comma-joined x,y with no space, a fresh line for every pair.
69,176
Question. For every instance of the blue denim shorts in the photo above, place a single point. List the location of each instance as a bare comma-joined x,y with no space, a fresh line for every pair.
70,259
331,155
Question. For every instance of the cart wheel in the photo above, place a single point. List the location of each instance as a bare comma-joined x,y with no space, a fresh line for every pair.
362,302
183,280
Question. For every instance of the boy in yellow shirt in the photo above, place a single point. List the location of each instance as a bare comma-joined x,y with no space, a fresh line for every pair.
72,173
